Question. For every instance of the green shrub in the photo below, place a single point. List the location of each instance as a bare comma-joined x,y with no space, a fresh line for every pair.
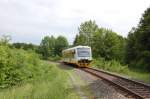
111,65
115,66
49,83
24,75
16,65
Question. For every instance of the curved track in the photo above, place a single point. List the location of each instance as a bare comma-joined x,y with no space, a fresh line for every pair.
136,89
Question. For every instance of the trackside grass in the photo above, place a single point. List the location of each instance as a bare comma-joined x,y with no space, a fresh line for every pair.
116,67
50,83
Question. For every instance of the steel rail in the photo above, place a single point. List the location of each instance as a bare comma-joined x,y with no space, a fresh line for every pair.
121,77
124,88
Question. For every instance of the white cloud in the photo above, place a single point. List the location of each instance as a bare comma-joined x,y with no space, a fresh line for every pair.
30,20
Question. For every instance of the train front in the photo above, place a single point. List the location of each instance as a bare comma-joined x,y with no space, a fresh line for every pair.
84,56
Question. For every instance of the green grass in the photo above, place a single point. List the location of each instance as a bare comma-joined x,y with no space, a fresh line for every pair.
50,83
83,89
139,75
116,67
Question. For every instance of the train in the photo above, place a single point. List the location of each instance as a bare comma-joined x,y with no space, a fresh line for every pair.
80,56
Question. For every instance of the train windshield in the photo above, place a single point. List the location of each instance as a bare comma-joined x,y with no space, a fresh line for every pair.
83,52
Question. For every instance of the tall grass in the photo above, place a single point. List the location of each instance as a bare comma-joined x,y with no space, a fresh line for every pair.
116,67
50,83
112,65
24,76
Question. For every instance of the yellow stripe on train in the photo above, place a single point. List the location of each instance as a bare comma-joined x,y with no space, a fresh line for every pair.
80,56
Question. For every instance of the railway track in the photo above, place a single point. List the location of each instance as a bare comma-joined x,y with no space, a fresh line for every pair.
134,88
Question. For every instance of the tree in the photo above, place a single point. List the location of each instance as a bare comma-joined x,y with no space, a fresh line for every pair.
130,50
80,40
4,40
138,44
98,43
47,47
51,46
108,44
75,42
112,45
61,44
104,42
86,31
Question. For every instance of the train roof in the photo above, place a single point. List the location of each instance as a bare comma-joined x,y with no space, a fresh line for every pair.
76,47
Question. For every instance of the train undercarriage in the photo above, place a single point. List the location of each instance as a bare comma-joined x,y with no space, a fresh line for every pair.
80,63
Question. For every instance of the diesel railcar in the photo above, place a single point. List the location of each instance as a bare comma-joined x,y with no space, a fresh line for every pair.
80,56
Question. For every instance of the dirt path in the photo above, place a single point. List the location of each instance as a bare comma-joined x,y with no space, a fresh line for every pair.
76,83
88,86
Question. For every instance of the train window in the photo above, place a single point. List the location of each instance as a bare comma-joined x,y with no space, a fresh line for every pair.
83,52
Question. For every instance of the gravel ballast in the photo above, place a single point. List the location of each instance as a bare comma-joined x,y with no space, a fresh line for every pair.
88,86
98,87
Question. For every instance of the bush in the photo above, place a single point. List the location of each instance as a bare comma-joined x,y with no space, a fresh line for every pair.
49,83
142,62
111,65
16,65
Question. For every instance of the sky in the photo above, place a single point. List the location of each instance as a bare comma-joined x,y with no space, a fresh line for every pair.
30,20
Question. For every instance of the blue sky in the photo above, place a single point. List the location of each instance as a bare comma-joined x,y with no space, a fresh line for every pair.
30,20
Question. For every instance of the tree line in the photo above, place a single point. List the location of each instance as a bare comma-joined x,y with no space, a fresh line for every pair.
138,44
49,46
133,50
104,42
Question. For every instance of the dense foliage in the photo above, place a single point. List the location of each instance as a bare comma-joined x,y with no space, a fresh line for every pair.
111,65
138,44
51,46
61,43
133,50
25,70
104,42
108,44
86,31
50,83
24,46
16,65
